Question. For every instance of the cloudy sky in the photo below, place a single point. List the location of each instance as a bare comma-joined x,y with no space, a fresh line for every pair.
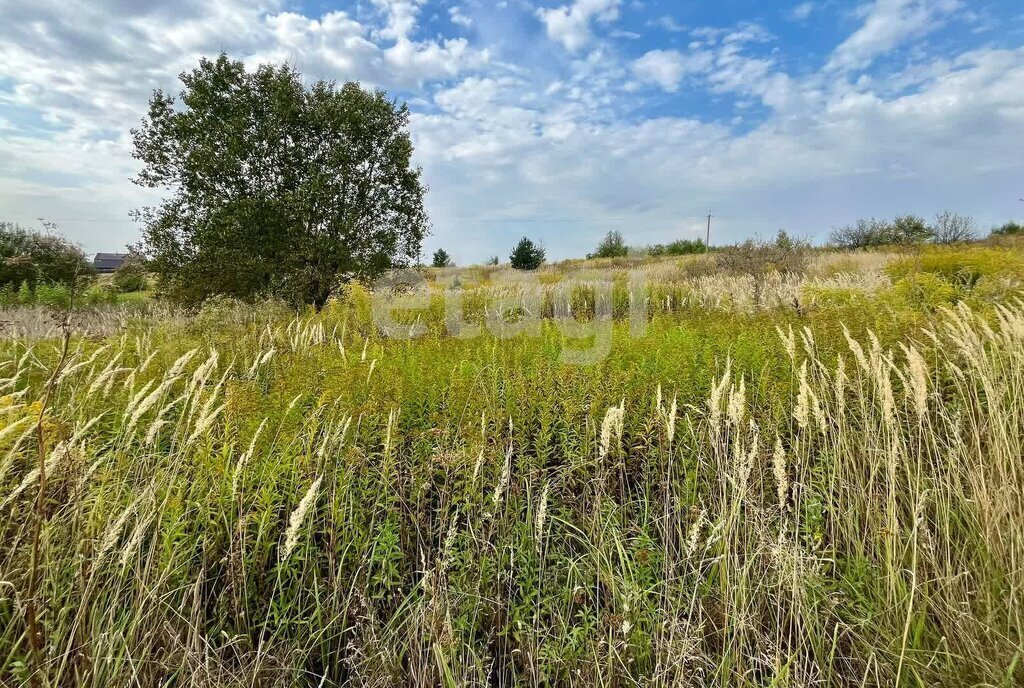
559,119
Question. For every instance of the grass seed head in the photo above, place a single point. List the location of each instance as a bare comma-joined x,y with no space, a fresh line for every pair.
298,518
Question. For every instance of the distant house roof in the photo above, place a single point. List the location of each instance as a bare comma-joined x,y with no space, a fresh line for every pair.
108,262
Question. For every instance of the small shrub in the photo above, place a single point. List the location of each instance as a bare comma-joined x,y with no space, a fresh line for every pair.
98,294
25,295
494,260
758,258
527,255
130,277
53,295
698,267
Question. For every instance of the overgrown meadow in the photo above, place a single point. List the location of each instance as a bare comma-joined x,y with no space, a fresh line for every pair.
777,481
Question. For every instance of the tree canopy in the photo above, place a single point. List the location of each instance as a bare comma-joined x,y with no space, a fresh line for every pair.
276,188
33,258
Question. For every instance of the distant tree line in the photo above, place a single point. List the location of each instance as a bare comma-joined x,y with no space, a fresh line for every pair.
1009,229
680,247
947,228
526,255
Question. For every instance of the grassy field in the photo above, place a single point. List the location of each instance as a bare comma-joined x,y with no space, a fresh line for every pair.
752,480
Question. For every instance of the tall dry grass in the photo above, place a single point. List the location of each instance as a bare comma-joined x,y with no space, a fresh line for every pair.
728,501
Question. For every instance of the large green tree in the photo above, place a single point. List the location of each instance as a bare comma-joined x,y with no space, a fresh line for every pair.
275,187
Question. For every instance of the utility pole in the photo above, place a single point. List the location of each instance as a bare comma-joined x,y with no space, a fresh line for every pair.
707,244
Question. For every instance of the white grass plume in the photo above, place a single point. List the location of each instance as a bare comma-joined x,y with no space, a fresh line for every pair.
298,518
612,425
917,378
52,465
802,411
736,408
205,422
781,473
670,422
715,400
542,513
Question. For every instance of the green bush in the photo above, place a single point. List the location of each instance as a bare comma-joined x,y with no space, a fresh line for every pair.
25,294
53,295
681,247
862,234
98,294
131,277
909,230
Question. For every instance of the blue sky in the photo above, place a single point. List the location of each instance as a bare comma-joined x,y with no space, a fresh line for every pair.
560,119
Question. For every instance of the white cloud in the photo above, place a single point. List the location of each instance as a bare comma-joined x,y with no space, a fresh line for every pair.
401,17
570,24
801,12
887,25
666,68
825,157
719,59
458,18
514,138
669,24
86,70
